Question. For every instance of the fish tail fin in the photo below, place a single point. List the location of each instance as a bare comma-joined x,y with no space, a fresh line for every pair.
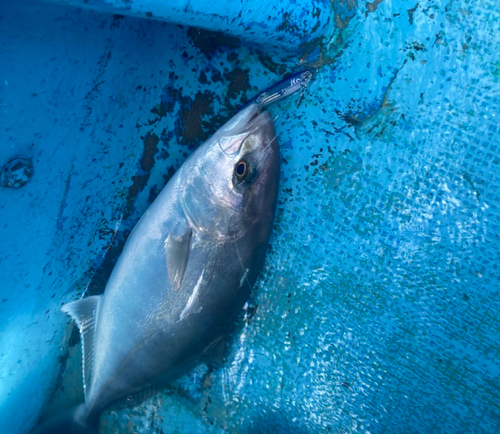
71,421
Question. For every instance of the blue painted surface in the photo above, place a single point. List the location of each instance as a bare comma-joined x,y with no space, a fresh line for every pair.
288,24
378,310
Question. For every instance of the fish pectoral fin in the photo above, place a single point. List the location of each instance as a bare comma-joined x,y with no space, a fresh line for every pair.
177,251
84,313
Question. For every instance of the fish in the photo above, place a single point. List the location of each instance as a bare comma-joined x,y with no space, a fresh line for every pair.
185,272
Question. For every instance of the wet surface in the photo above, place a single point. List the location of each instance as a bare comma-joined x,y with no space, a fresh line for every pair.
378,307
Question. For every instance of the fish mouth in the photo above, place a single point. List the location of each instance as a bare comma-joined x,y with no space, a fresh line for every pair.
252,120
246,120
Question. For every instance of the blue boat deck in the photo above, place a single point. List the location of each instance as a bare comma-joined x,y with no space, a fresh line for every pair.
378,309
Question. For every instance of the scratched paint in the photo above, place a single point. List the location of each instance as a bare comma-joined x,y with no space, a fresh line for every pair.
289,24
378,307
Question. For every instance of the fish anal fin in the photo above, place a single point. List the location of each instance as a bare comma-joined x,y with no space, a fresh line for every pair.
177,248
84,314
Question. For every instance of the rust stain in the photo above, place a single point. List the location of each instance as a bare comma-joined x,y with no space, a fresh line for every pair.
209,42
372,6
151,141
411,12
344,11
287,25
147,162
341,24
189,124
238,82
270,64
160,110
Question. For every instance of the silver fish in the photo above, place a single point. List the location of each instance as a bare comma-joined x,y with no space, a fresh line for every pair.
184,274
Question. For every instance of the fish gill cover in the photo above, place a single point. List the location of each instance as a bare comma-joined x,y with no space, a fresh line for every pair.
378,307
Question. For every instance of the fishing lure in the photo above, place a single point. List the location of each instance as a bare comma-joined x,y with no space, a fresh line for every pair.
284,88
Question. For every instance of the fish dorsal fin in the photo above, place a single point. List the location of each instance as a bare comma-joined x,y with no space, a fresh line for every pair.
84,313
177,247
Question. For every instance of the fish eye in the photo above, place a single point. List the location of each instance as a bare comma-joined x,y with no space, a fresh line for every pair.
241,170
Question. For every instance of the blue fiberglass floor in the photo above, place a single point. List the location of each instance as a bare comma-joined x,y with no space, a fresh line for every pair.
378,310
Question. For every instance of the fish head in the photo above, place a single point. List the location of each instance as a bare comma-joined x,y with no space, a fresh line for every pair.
231,182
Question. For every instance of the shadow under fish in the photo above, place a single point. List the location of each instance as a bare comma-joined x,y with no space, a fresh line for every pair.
185,272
